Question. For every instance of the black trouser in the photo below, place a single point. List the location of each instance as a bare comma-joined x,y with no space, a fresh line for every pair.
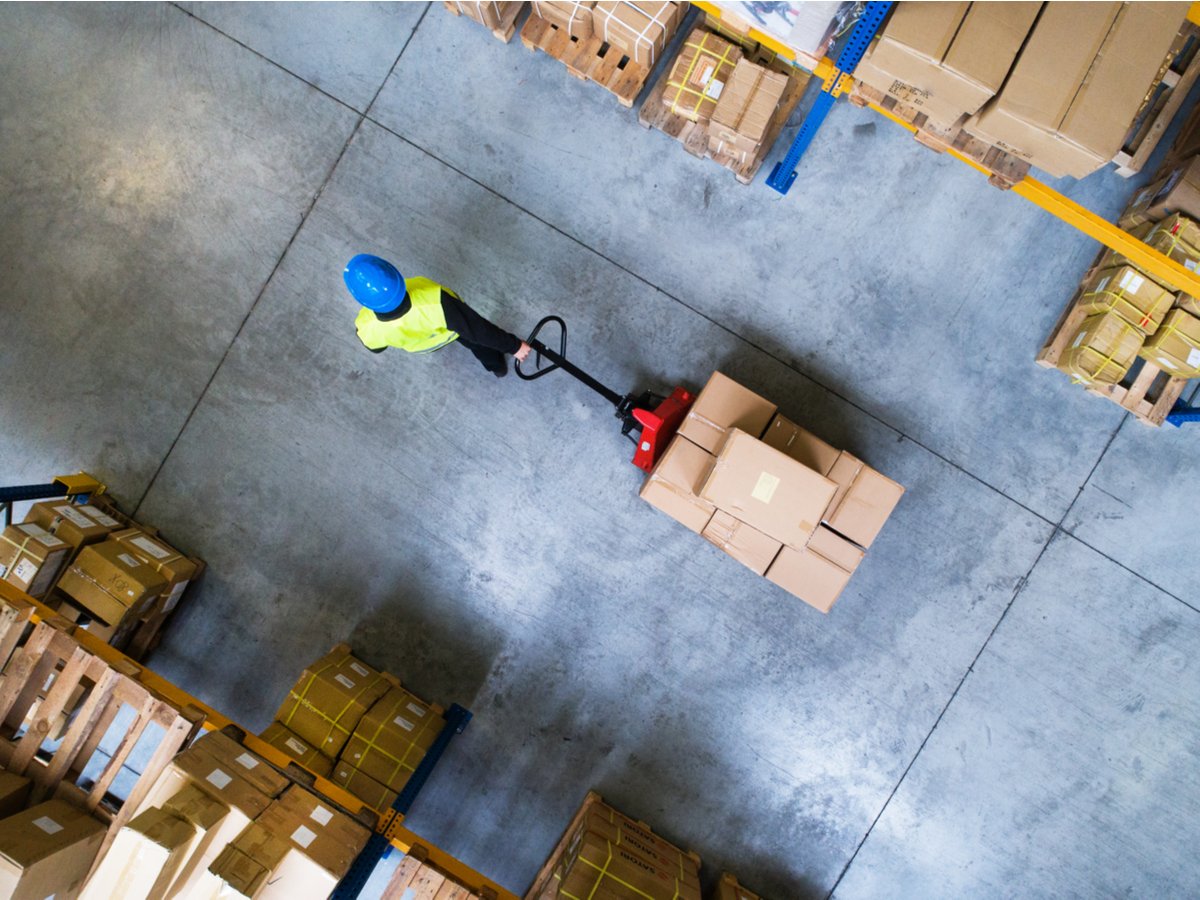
492,359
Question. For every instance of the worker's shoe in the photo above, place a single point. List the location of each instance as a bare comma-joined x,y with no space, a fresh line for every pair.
502,371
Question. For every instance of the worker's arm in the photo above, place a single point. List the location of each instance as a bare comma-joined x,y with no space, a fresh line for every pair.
474,327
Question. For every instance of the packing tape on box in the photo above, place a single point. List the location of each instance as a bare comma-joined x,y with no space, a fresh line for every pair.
641,35
399,763
683,87
1118,293
614,819
1078,376
604,873
21,547
334,722
1164,333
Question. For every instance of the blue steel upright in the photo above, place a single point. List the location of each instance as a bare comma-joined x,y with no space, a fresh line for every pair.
784,172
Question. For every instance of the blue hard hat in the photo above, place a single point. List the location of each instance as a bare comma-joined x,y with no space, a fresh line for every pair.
374,282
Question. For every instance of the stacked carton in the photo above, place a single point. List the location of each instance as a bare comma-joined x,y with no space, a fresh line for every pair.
639,28
699,75
47,850
770,494
490,13
31,558
728,889
346,721
572,16
743,114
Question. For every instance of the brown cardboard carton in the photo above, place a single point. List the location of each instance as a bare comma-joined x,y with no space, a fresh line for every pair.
325,705
640,29
47,851
729,889
809,576
485,12
70,522
1135,297
218,779
172,565
700,74
593,864
941,113
364,787
1175,347
302,752
1171,237
747,545
573,16
144,858
315,829
767,490
392,738
108,581
1176,192
246,864
673,485
838,550
248,766
623,831
803,446
863,502
1102,350
744,112
722,406
214,825
1188,304
14,793
31,557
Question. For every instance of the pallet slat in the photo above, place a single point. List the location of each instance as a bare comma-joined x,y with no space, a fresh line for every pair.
590,59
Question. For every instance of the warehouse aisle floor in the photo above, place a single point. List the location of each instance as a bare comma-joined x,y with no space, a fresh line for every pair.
1002,696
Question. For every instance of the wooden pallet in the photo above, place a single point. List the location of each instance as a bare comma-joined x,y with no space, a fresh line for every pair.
1004,169
694,135
51,676
542,887
508,21
588,59
1146,391
1178,74
418,879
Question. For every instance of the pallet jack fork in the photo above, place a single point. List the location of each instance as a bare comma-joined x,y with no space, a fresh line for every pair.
655,418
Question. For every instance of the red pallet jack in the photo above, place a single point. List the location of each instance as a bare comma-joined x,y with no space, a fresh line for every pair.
655,418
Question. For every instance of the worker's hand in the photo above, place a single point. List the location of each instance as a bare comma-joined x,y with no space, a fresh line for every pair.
522,352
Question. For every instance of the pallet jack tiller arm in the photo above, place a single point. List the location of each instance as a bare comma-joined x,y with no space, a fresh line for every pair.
654,417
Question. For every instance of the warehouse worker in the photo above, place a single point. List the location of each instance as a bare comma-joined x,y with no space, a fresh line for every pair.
418,315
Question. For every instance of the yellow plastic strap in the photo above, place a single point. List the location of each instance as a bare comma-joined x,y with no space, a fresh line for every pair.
302,701
683,88
402,762
1108,360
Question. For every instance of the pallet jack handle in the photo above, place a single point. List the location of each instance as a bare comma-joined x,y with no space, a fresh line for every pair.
558,360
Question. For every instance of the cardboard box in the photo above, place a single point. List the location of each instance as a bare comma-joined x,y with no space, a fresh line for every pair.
803,446
108,581
486,12
809,576
302,752
1188,304
952,57
743,114
863,501
673,486
1078,82
1102,350
1176,192
637,838
1136,298
144,858
595,867
729,889
14,793
747,545
767,490
219,779
573,16
250,767
261,864
325,705
316,830
47,851
214,824
1176,236
31,557
172,565
1175,347
722,406
76,524
699,75
640,29
393,737
364,787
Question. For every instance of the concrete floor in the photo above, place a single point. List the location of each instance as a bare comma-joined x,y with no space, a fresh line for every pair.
1002,702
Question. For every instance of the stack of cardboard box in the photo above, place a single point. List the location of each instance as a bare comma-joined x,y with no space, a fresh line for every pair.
572,16
31,558
46,850
1057,84
348,722
638,28
743,114
699,75
490,13
770,494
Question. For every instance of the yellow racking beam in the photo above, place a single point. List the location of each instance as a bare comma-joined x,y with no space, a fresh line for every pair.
389,824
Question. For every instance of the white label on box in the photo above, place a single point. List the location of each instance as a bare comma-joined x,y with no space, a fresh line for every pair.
173,597
321,815
714,89
219,778
1193,358
303,836
70,512
295,746
48,825
106,520
705,75
361,670
1132,281
246,761
1190,264
1103,284
155,550
132,561
403,723
24,571
37,531
764,488
416,708
344,681
1078,341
